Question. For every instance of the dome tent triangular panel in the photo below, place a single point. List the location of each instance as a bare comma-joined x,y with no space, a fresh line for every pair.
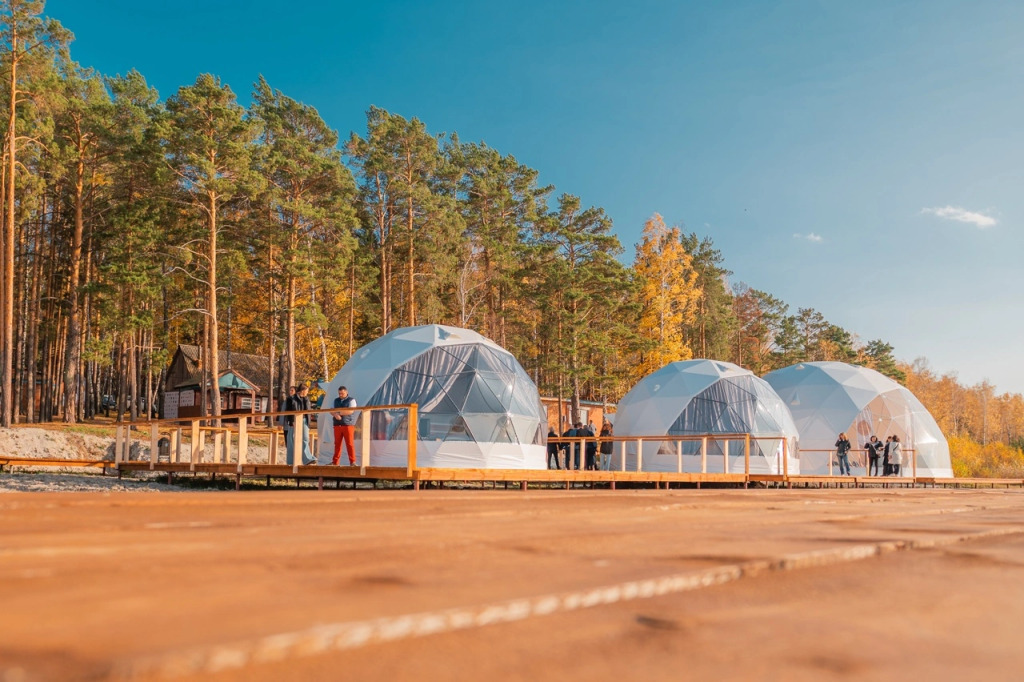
453,374
697,397
868,403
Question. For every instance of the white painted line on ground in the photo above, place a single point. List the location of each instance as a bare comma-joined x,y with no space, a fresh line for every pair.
351,635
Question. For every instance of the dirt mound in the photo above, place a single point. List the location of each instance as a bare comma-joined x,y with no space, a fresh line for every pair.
42,443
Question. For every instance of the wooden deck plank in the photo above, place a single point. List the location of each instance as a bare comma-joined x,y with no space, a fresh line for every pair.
54,462
331,472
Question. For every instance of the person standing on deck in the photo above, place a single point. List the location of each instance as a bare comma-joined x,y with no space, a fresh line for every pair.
843,454
344,427
874,448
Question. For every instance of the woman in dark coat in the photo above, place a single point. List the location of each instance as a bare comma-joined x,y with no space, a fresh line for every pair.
843,454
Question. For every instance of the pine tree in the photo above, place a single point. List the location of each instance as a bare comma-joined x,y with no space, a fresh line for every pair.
582,292
308,200
407,199
82,122
759,317
27,43
500,203
877,355
209,142
133,292
712,331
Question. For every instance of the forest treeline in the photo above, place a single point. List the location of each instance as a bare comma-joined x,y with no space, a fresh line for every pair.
133,223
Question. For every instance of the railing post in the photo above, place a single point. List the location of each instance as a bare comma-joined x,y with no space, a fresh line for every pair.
154,453
639,454
295,451
679,456
218,451
202,444
746,455
725,456
176,445
704,454
243,442
118,445
364,444
195,451
785,459
414,426
622,453
830,462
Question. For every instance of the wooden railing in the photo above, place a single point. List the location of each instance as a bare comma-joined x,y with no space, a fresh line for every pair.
570,443
237,426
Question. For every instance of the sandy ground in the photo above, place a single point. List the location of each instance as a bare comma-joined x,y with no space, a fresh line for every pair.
545,585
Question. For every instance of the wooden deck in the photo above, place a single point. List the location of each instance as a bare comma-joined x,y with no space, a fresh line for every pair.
551,478
177,440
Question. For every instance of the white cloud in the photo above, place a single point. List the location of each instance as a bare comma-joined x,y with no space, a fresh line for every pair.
810,236
962,215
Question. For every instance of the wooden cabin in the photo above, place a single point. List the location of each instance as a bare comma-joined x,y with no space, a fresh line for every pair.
560,412
244,383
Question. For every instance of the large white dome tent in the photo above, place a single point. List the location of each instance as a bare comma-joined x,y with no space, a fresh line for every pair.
478,408
697,397
829,398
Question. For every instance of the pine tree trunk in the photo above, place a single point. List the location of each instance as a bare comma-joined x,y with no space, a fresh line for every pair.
272,343
290,312
214,341
21,286
32,349
73,359
352,312
7,326
411,303
133,377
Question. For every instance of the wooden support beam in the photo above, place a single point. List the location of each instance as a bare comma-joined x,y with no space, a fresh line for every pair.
364,441
243,443
414,424
195,451
746,454
118,444
154,439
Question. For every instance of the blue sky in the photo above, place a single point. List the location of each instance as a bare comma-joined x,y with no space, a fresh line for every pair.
863,159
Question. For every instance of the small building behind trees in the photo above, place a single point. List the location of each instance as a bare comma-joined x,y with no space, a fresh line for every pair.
244,383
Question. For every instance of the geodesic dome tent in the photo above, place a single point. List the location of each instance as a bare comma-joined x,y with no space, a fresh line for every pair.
829,398
698,397
478,407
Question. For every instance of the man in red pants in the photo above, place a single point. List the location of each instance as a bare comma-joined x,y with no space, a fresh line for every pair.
344,426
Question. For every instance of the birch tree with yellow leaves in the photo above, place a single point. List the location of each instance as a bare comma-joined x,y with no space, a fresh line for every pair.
668,295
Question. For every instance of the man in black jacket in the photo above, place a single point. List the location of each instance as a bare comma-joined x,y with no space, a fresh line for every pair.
299,403
571,447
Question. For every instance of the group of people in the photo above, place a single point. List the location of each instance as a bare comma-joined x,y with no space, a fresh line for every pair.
571,450
890,454
344,425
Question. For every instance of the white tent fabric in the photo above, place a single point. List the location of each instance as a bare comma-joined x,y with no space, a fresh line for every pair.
478,408
699,397
829,398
